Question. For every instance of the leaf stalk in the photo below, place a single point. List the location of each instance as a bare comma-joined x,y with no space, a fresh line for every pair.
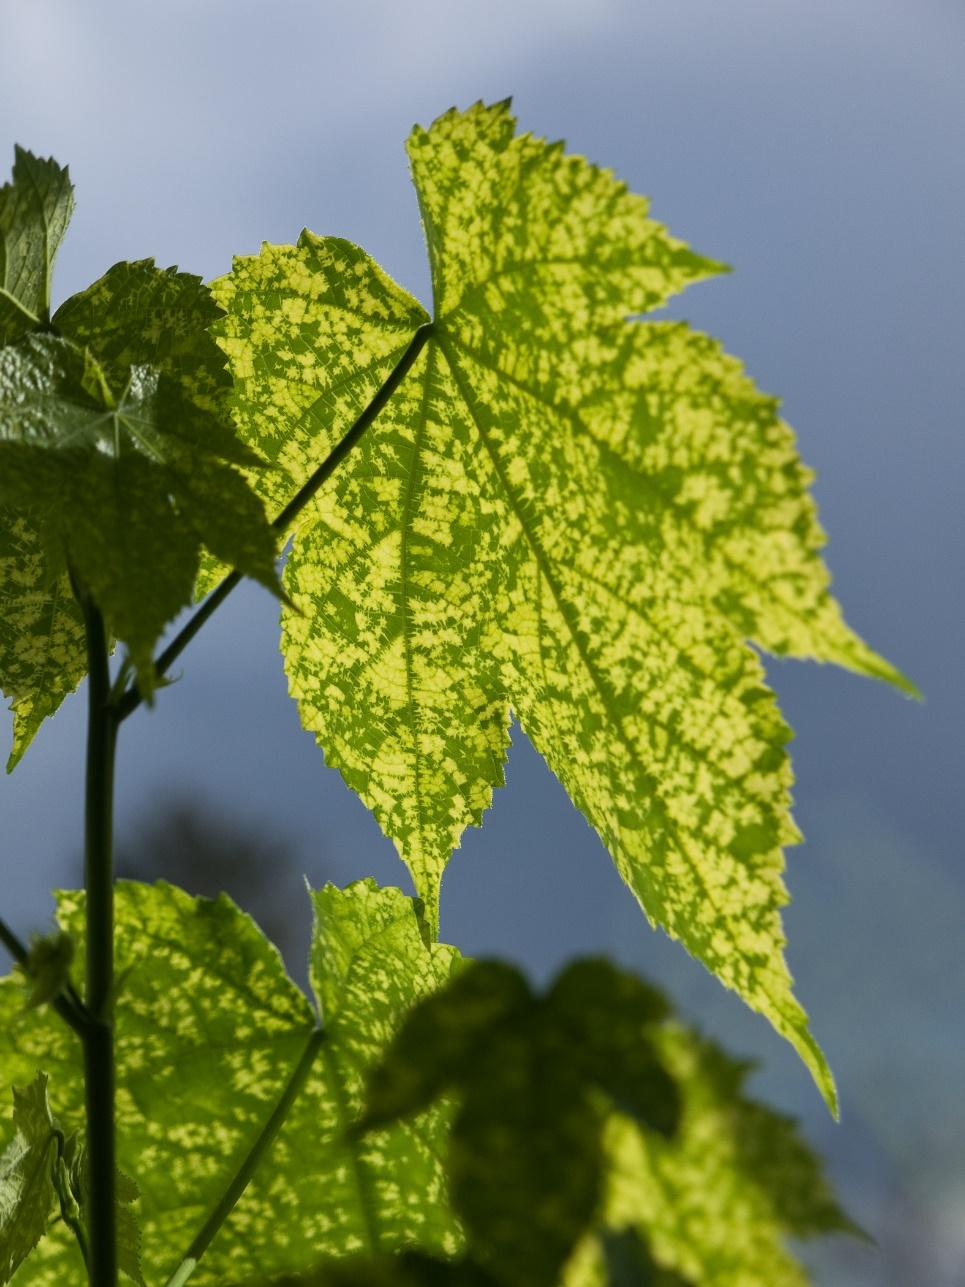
242,1177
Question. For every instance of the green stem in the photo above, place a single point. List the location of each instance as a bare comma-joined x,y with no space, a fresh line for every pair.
67,1003
242,1177
98,1036
133,697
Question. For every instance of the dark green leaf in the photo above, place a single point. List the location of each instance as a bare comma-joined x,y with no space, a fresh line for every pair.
630,1264
525,1160
443,1039
35,209
141,315
115,485
606,1017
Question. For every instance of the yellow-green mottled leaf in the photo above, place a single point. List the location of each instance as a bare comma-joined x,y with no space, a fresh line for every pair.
209,1031
559,511
35,209
27,1194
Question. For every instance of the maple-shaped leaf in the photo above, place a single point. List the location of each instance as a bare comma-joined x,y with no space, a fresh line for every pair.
123,487
27,1193
561,512
213,1039
35,209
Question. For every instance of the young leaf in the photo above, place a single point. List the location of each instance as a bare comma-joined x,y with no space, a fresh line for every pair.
35,210
47,969
558,510
141,315
27,1194
209,1030
127,1194
123,482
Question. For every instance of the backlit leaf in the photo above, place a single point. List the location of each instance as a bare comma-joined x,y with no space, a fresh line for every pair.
209,1031
559,512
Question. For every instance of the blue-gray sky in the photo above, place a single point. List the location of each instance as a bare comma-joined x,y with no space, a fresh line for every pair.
815,145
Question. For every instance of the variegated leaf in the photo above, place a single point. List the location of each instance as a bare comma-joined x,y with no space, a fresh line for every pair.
209,1032
559,512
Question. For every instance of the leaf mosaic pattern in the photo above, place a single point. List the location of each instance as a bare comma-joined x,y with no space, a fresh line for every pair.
209,1029
558,512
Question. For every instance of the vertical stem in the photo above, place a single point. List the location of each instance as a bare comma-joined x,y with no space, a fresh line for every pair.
99,887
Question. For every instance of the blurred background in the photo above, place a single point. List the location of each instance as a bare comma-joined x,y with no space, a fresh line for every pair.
817,146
